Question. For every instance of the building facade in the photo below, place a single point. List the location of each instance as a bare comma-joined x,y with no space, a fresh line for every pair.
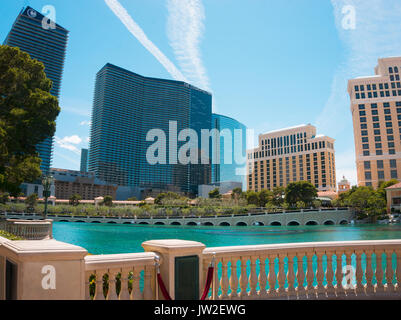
376,116
84,160
291,155
344,185
47,46
230,146
127,108
69,182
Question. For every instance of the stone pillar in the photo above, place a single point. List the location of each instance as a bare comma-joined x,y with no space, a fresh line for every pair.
169,250
42,270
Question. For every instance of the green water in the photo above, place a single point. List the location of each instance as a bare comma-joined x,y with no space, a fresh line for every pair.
111,238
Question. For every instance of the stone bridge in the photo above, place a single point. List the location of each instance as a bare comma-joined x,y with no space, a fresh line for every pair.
327,216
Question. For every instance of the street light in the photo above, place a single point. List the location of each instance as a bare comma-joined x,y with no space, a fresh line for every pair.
47,182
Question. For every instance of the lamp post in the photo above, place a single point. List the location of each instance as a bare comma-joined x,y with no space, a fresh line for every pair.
47,182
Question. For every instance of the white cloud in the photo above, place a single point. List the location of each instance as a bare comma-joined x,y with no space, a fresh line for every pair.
140,35
185,29
377,34
86,123
69,143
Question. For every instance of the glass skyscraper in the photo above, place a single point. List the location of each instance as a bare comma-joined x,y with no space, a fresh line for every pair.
84,160
47,46
126,107
231,167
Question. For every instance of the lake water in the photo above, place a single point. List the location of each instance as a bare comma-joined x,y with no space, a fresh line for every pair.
111,238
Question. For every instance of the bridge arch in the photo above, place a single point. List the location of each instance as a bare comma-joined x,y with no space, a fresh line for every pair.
258,223
127,223
224,224
112,222
80,221
95,222
175,223
209,224
143,222
293,223
66,221
312,223
329,223
343,222
241,224
275,224
159,223
191,223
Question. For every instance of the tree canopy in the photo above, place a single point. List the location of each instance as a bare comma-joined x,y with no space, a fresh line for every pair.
27,117
301,191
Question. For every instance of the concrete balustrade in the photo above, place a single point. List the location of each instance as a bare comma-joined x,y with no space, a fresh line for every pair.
29,229
305,271
121,275
308,270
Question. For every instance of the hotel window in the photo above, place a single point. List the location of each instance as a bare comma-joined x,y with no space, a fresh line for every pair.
366,165
375,94
388,118
363,119
376,119
374,87
390,70
390,138
386,105
363,96
356,88
382,94
376,125
379,152
377,132
391,145
365,146
391,151
368,175
375,112
393,163
369,87
380,175
365,139
377,139
378,145
364,133
362,113
361,107
357,96
394,174
380,164
389,124
389,131
362,87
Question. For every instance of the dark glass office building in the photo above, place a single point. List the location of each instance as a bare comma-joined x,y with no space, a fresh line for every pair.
84,160
229,168
126,107
47,46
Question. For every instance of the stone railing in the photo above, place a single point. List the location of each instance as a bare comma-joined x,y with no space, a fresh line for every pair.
120,276
28,229
329,270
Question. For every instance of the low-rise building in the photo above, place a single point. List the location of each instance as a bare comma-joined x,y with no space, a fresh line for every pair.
69,182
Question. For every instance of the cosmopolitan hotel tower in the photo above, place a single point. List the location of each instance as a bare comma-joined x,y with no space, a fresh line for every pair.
376,114
291,155
126,107
47,46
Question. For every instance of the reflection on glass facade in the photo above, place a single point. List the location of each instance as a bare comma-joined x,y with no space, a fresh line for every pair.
233,145
47,46
126,107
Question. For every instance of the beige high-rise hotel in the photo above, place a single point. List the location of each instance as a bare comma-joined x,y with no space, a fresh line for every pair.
376,114
291,155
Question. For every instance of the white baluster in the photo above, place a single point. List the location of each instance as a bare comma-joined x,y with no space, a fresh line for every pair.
330,288
281,276
136,293
272,276
148,277
112,292
87,285
124,293
339,274
224,280
262,278
369,273
320,289
99,295
253,279
216,281
300,276
389,270
234,279
379,271
310,275
360,288
291,290
243,279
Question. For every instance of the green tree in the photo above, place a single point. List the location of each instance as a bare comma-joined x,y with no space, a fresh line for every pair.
108,201
167,196
300,205
252,198
237,194
215,194
4,197
27,117
265,196
278,196
31,201
300,191
381,190
74,200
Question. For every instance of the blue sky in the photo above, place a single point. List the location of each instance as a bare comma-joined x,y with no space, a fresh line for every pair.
269,64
